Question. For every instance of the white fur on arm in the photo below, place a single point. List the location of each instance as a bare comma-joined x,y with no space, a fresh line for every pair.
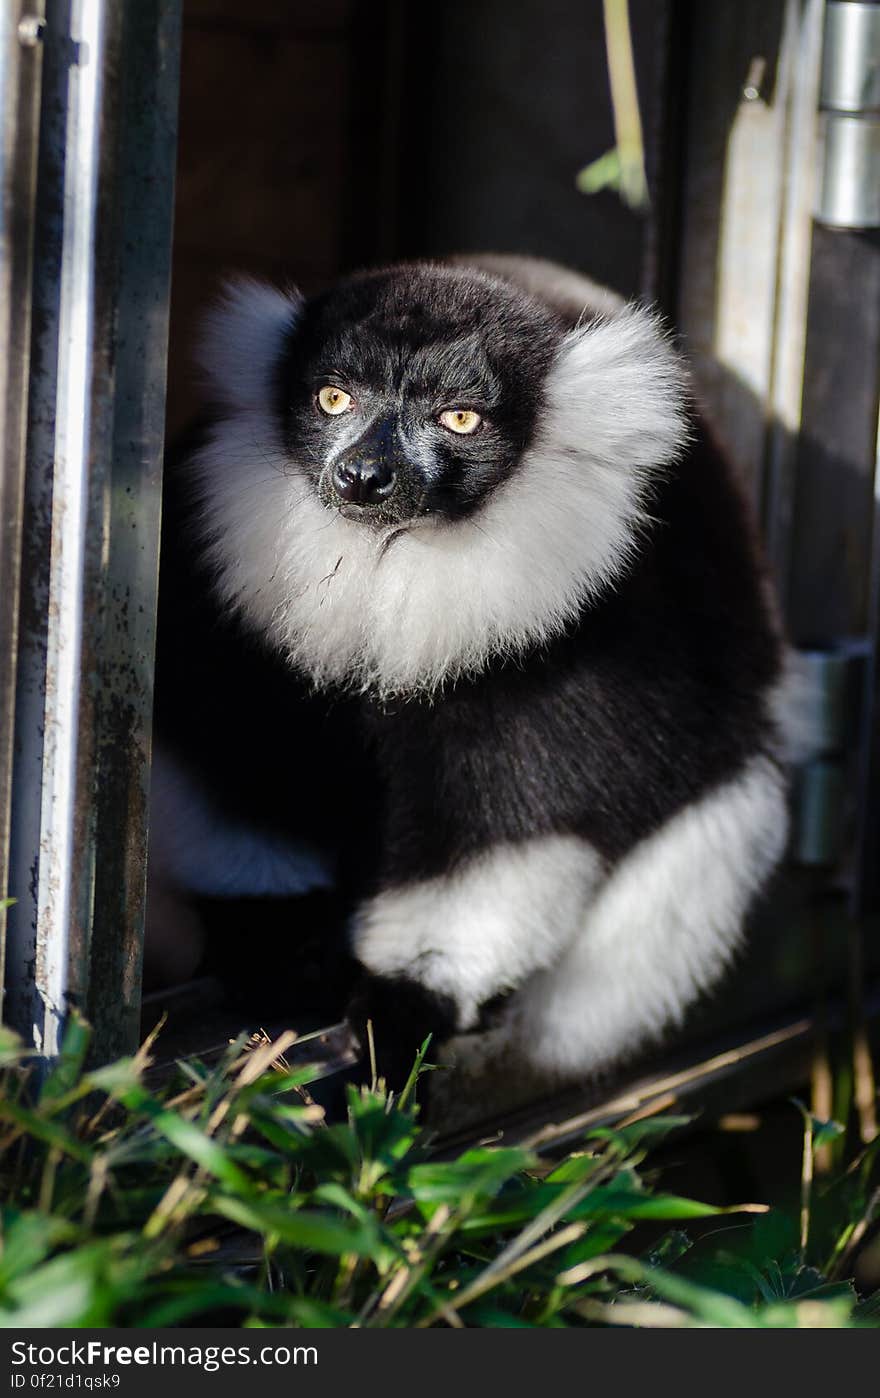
662,930
484,928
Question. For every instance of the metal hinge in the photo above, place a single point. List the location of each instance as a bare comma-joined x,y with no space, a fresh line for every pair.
824,791
849,104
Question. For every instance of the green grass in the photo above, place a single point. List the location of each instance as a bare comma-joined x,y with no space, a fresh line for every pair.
226,1199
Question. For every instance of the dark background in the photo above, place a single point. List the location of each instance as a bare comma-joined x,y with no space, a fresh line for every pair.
317,136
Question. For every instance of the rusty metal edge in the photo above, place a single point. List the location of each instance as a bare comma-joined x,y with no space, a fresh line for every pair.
21,54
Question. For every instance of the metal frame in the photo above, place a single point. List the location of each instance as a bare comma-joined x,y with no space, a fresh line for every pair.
20,72
89,537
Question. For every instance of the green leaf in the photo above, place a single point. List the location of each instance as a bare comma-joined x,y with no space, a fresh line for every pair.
415,1072
477,1174
576,1167
66,1071
822,1132
84,1287
630,1204
12,1050
603,173
28,1238
807,1315
826,1131
602,1237
116,1078
302,1228
650,1128
333,1193
188,1138
312,1314
51,1133
188,1300
709,1306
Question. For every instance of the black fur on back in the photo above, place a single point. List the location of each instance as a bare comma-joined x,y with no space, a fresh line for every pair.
655,698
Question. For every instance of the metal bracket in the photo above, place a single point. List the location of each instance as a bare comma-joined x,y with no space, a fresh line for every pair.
822,814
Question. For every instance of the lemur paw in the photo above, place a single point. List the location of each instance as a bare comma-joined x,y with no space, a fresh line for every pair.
402,1014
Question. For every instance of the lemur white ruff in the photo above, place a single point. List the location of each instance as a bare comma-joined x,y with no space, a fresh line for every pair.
478,603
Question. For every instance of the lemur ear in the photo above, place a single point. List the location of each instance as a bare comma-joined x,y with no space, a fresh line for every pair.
242,337
619,386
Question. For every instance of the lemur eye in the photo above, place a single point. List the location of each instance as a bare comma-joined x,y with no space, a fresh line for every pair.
460,420
333,400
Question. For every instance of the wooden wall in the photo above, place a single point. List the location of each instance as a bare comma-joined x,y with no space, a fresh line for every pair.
265,116
320,135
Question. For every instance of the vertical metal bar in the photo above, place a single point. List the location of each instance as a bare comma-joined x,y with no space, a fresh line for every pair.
45,870
134,257
59,877
95,442
20,69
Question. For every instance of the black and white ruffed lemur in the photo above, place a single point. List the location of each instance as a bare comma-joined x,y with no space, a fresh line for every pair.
463,616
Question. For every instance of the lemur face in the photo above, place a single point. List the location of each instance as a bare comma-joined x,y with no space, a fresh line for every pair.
508,455
406,396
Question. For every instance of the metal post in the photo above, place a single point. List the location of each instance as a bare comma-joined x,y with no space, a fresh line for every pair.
90,537
20,68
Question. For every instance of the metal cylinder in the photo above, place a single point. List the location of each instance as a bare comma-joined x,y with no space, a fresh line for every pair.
849,188
851,57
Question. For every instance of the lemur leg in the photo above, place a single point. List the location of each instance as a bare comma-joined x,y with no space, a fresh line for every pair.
661,931
440,949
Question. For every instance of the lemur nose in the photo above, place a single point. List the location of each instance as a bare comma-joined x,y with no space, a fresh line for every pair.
364,482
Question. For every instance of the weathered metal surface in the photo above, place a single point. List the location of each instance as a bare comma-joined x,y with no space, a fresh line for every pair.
42,858
134,245
21,56
91,517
